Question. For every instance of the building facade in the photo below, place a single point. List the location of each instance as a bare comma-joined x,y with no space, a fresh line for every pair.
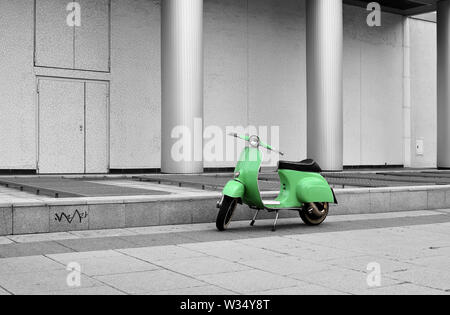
87,96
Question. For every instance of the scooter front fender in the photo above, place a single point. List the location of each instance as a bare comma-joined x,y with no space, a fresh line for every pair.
234,189
315,189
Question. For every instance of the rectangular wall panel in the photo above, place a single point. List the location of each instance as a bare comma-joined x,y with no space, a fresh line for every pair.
92,37
424,91
136,84
54,37
18,84
277,74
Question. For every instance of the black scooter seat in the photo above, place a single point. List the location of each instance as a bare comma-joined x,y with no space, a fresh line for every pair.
308,165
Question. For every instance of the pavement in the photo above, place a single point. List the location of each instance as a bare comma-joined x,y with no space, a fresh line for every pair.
373,254
10,195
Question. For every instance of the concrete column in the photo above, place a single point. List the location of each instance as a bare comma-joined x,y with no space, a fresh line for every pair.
443,84
182,86
324,23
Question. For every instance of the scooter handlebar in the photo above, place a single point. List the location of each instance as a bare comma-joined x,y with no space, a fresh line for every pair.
270,148
247,138
235,135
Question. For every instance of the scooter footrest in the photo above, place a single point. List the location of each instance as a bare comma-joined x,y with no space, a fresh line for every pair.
271,203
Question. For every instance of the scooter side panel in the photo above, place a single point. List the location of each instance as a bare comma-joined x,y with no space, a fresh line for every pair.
287,197
248,170
314,189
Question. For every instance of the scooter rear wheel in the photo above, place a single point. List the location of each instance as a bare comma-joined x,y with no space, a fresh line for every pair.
309,213
226,213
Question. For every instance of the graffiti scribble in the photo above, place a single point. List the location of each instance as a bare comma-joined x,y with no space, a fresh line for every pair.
71,217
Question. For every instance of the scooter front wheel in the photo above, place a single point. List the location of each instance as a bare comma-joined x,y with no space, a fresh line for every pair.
226,213
314,214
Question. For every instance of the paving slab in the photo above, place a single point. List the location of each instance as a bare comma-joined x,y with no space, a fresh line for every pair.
305,289
108,265
274,243
102,233
32,249
361,263
155,254
172,228
46,237
5,241
390,215
92,291
149,281
208,290
201,266
28,264
344,280
211,235
286,266
320,253
248,282
440,228
4,292
73,256
95,244
232,251
406,289
439,263
427,277
41,282
156,239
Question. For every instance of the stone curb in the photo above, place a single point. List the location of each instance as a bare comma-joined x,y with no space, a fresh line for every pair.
75,214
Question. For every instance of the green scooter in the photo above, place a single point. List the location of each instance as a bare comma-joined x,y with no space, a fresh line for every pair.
303,189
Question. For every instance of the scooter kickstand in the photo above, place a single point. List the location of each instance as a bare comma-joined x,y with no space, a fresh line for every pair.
276,221
254,218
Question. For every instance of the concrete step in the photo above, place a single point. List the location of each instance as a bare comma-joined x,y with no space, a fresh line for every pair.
76,214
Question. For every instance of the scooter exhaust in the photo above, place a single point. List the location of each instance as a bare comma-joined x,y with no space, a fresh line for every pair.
315,210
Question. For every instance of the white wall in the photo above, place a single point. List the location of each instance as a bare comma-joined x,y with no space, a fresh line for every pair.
373,89
17,86
255,73
255,68
423,91
136,84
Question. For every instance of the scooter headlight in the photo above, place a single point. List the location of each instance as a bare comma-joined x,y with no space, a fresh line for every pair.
254,141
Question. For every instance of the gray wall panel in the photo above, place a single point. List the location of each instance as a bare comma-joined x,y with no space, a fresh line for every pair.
54,37
92,37
17,86
136,84
423,91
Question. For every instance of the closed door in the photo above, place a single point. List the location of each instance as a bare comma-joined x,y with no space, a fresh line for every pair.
96,141
73,137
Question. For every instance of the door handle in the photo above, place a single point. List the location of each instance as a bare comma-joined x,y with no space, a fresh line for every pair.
81,128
